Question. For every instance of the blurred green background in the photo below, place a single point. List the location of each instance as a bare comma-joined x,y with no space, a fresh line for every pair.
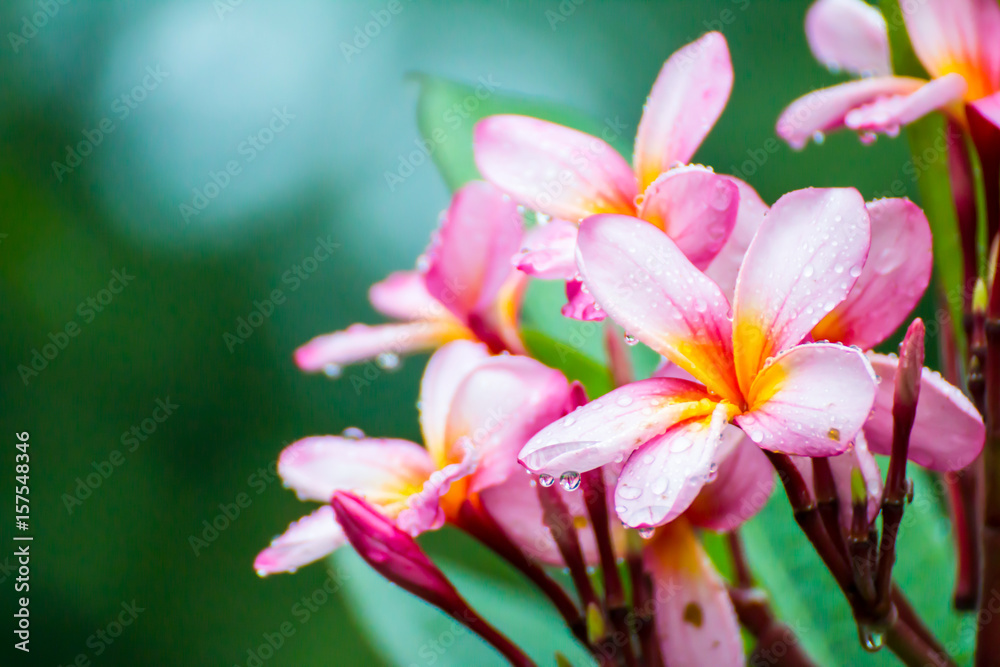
184,86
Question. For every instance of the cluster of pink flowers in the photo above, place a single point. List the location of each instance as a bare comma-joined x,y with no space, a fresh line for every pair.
765,317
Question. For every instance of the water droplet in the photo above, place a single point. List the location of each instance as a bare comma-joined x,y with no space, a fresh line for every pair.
713,472
855,271
646,532
570,480
353,433
808,271
546,480
819,137
700,305
680,444
628,492
423,263
838,268
630,339
624,401
387,361
757,436
871,639
868,138
660,486
332,370
543,218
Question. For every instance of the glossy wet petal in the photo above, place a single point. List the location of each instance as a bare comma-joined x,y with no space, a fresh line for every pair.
888,114
810,400
743,486
423,510
361,342
695,207
948,432
824,110
471,257
662,478
384,470
445,372
559,171
687,98
549,251
310,538
695,620
644,282
614,425
960,36
849,35
804,260
403,295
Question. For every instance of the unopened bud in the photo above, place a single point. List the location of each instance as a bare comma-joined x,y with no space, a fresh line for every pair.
980,297
911,365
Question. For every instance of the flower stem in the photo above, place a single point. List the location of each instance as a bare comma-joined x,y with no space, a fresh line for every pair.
559,520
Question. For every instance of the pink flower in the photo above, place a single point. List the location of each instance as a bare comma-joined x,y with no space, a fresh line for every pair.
948,433
467,290
751,367
569,175
957,41
476,412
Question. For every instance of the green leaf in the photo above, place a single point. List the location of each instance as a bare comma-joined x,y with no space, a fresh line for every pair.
407,631
933,178
564,357
805,596
447,111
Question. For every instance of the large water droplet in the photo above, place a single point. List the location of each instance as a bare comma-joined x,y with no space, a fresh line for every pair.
546,480
333,370
871,639
646,532
819,137
630,339
808,271
628,492
624,401
680,444
660,486
353,433
570,480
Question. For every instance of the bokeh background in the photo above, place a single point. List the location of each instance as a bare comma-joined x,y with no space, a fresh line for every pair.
183,85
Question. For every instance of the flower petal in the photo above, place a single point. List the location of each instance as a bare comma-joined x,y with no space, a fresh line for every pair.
514,506
695,207
445,371
743,486
805,258
384,470
888,114
645,283
849,35
310,538
423,509
688,97
470,258
960,36
498,406
360,342
695,620
553,169
894,277
663,477
614,425
580,303
726,265
948,433
403,295
549,251
810,400
824,110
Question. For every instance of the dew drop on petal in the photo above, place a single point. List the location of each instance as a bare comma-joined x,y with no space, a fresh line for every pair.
570,480
624,401
387,361
808,271
353,433
546,480
628,492
630,339
660,486
332,370
646,532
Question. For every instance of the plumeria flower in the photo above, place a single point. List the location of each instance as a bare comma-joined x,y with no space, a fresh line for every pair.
569,175
467,290
751,367
476,412
957,41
